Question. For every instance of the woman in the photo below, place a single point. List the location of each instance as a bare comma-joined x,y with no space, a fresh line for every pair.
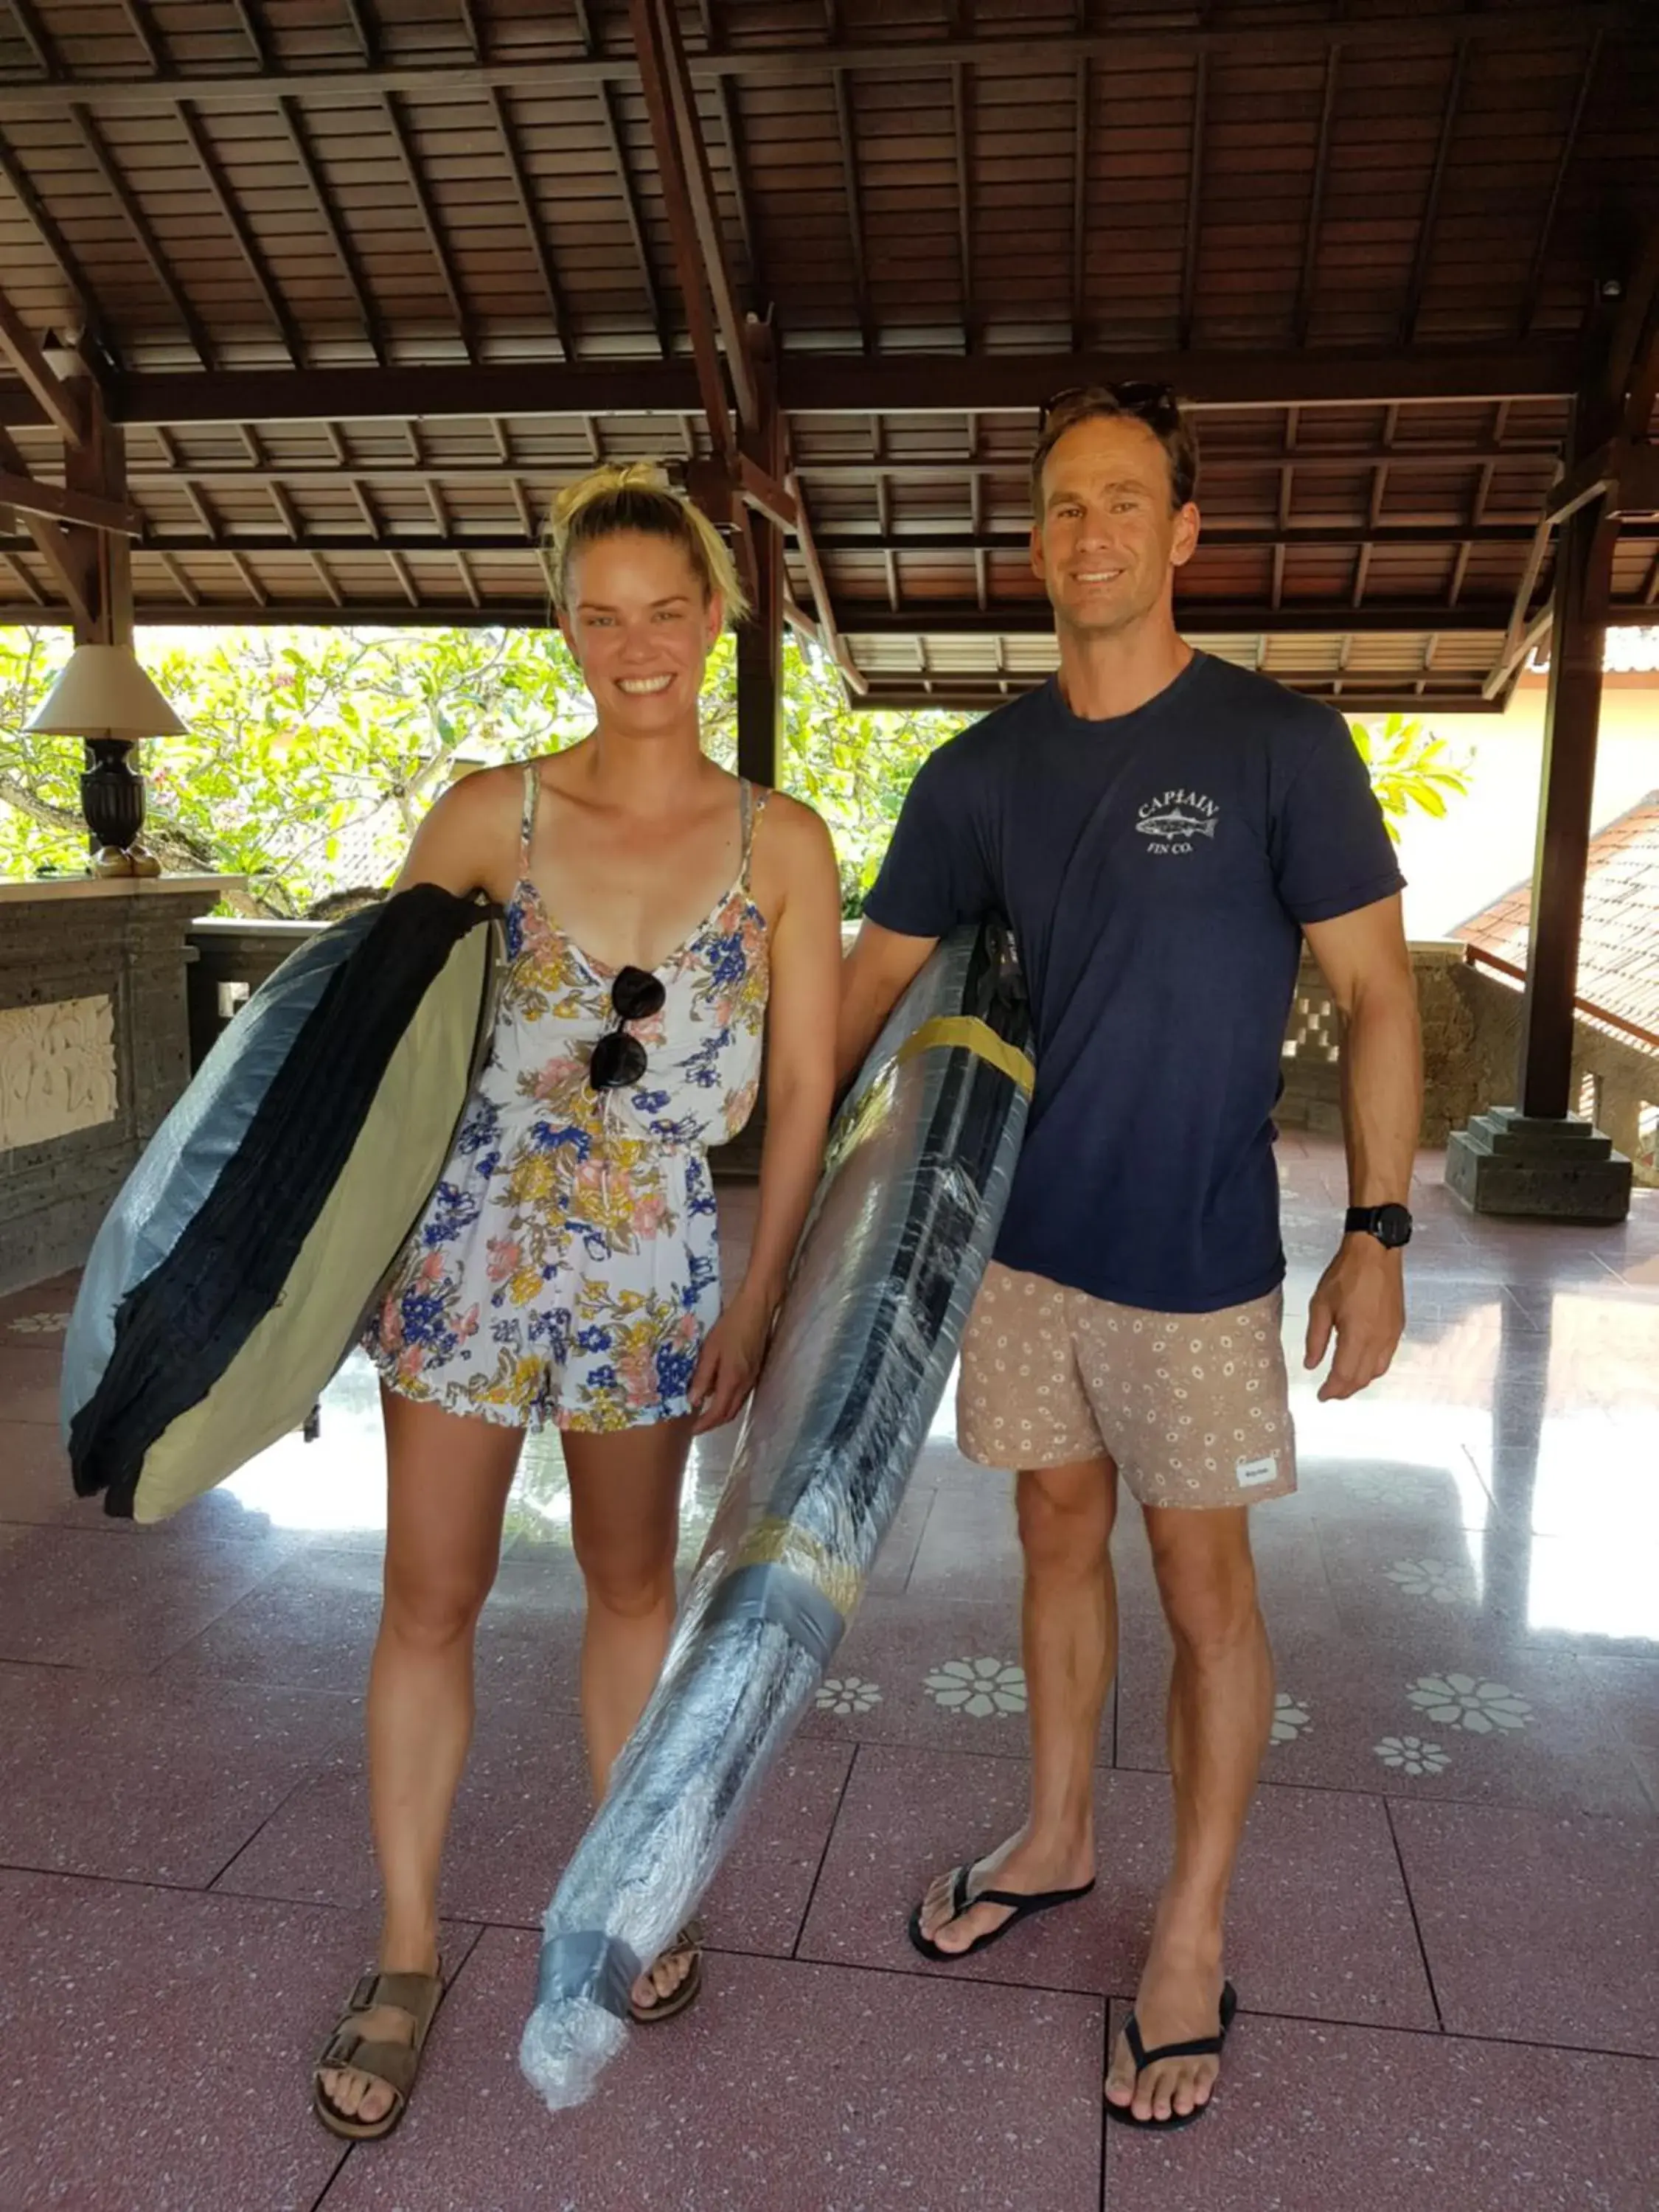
566,1269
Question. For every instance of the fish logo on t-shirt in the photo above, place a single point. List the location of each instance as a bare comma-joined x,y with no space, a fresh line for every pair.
1174,818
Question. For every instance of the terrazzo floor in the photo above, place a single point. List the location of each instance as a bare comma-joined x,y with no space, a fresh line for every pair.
1446,1923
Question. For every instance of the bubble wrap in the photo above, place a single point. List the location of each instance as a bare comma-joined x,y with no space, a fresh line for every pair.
918,1167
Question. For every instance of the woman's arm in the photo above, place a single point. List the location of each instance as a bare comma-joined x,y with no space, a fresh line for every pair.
800,1077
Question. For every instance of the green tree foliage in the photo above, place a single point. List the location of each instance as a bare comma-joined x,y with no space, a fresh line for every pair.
1410,768
312,754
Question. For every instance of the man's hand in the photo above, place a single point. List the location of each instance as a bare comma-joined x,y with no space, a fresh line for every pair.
1362,1297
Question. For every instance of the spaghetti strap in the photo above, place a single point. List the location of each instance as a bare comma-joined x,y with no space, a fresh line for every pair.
532,785
754,805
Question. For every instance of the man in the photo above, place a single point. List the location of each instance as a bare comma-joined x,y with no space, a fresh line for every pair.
1161,830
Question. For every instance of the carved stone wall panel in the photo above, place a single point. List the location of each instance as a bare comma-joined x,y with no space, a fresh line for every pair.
57,1070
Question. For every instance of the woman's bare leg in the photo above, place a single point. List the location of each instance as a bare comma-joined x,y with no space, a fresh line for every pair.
624,1521
447,1478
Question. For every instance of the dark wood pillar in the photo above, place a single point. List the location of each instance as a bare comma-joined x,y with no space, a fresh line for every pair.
1583,576
760,641
102,558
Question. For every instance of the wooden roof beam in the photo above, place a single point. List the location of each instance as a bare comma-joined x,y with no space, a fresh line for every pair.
1191,236
1486,456
344,252
732,118
652,44
426,208
834,644
138,223
962,130
540,245
46,229
1083,97
1431,217
29,496
53,396
849,165
237,222
36,38
1268,43
656,23
1569,146
1302,319
635,221
1316,619
880,384
758,492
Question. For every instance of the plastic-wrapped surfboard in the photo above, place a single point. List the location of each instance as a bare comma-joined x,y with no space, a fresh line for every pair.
918,1167
232,1274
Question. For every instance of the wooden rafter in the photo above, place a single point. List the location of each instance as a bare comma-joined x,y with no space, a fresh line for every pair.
1268,42
1429,218
883,539
52,237
426,208
144,33
1487,455
1304,294
540,245
624,174
56,400
28,495
849,164
1191,232
37,36
695,279
962,130
704,208
344,252
737,160
1568,147
139,223
829,630
230,208
1083,99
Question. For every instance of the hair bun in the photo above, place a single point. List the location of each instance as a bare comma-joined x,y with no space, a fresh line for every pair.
608,481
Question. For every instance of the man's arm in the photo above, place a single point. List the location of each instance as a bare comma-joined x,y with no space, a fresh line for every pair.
1365,962
874,977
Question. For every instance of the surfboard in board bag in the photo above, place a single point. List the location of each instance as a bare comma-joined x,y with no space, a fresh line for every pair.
916,1178
231,1276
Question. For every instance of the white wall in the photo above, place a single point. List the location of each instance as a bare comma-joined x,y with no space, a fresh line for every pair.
1484,845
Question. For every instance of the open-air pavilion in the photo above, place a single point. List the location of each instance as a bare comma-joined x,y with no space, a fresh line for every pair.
306,309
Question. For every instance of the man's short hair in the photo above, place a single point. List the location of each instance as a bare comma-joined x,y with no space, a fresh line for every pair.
1154,404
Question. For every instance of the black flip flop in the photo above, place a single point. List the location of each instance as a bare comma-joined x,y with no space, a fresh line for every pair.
1021,1904
1204,2046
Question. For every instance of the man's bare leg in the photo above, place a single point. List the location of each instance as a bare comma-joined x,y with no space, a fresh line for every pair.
1221,1698
1069,1638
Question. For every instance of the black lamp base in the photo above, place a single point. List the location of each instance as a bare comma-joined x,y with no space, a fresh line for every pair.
113,801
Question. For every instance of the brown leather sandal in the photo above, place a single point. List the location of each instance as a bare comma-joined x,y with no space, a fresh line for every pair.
396,2064
691,1988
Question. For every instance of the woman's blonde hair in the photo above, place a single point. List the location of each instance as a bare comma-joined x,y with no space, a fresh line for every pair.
623,495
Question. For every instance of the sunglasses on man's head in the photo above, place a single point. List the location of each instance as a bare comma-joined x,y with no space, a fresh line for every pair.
1155,404
618,1060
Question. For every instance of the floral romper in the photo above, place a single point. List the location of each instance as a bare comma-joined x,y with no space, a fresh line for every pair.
567,1267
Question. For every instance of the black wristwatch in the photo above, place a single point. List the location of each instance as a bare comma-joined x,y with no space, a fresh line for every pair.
1391,1225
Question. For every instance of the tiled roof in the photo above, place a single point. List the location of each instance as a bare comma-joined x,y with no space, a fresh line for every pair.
1619,952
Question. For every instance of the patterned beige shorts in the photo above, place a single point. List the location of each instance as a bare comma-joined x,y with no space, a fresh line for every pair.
1194,1408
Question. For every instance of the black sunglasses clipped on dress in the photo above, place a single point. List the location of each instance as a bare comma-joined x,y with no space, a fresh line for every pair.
1155,404
618,1058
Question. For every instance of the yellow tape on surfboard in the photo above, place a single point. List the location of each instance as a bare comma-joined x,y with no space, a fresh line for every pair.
967,1034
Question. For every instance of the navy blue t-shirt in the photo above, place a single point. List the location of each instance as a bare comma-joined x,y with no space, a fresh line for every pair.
1156,869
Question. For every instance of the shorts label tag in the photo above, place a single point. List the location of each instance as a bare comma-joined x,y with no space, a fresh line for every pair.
1250,1472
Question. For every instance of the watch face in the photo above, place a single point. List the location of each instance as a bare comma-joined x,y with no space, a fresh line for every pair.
1394,1226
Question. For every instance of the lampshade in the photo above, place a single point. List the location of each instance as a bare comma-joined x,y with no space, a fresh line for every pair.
103,693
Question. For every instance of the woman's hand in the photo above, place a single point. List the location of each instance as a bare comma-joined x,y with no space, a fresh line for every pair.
732,1353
